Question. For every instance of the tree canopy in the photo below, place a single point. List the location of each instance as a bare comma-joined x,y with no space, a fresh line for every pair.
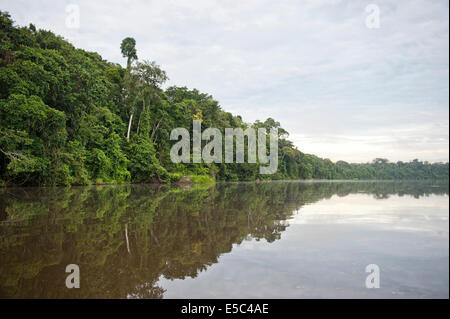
69,117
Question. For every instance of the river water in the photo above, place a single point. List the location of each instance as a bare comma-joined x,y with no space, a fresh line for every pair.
234,240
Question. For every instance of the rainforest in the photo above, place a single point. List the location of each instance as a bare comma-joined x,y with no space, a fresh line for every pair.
69,117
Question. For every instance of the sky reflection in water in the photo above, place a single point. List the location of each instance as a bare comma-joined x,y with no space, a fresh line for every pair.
246,240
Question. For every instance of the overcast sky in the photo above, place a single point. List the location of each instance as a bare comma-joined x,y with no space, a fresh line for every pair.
342,90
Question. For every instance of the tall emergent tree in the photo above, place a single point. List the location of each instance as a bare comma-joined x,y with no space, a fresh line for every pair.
128,49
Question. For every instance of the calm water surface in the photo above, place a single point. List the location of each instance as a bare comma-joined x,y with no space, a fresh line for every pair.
245,240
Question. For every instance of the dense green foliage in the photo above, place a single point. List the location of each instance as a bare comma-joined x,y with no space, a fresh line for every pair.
68,117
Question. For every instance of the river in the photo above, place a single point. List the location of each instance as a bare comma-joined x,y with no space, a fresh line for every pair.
287,239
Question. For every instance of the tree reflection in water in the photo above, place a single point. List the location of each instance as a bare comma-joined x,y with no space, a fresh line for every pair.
125,237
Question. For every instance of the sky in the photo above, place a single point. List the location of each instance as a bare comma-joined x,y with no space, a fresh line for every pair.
347,80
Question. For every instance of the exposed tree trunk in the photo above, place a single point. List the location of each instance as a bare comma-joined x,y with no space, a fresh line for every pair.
140,116
126,238
129,126
128,64
213,173
154,130
154,237
139,124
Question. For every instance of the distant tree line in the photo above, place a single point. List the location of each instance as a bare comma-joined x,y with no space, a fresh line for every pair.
68,117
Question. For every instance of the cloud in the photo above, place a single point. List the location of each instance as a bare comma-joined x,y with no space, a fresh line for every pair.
312,65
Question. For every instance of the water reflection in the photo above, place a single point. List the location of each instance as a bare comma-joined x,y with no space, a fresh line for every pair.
129,240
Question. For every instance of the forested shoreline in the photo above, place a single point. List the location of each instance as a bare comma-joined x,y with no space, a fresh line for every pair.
69,117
